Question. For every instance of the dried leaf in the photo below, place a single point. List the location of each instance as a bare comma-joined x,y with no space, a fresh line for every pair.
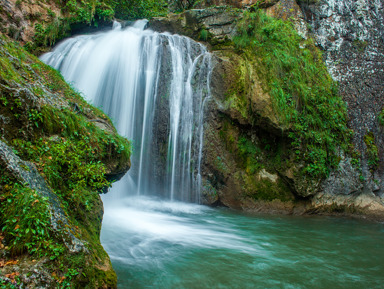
12,262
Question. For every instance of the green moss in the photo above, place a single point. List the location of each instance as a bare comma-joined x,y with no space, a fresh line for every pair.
267,190
304,95
360,45
237,97
250,154
372,151
381,117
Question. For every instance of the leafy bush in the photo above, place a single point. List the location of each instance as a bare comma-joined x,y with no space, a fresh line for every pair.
47,35
90,11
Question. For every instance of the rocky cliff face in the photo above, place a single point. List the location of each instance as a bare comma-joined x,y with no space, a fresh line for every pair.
351,34
243,131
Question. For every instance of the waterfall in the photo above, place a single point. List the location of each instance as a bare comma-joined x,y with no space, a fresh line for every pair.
153,86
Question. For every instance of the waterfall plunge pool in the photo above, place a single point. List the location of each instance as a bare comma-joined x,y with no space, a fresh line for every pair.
162,244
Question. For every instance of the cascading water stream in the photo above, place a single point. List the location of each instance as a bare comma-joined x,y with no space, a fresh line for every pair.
153,86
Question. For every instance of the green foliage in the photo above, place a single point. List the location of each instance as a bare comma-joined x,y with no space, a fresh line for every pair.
51,126
18,4
25,221
181,5
303,93
90,11
7,285
372,151
136,9
47,35
71,162
381,117
68,278
249,154
204,35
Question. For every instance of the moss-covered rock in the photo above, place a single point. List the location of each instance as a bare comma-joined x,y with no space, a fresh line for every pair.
57,153
275,112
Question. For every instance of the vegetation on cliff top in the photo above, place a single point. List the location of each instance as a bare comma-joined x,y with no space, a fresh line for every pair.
75,14
49,124
304,95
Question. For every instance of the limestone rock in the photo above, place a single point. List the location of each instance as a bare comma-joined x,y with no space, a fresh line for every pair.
343,181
